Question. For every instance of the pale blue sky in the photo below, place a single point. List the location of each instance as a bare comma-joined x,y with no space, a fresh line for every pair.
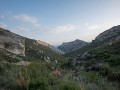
57,21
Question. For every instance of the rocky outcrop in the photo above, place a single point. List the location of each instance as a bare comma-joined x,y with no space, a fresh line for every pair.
50,46
109,34
42,43
73,45
12,42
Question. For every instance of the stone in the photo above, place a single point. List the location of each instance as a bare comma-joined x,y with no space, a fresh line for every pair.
12,42
112,32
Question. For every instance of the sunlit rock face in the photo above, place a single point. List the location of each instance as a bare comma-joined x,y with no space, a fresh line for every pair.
12,42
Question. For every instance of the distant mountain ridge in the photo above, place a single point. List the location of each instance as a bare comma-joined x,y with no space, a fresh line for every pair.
107,36
73,45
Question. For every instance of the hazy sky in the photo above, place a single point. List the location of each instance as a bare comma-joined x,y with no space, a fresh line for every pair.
57,21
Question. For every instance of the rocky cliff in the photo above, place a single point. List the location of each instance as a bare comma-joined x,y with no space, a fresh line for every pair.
12,42
109,34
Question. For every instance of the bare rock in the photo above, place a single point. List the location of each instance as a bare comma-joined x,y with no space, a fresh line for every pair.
109,34
12,42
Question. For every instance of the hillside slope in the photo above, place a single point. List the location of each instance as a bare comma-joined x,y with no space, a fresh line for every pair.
104,60
106,36
19,48
41,68
100,58
37,51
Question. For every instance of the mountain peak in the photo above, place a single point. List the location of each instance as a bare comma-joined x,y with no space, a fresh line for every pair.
77,40
73,45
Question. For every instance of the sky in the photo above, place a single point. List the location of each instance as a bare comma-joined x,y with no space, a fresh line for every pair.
58,21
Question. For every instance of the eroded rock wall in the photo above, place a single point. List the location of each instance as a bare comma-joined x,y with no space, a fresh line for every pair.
12,42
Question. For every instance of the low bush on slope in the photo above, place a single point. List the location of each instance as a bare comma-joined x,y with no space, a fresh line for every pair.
46,76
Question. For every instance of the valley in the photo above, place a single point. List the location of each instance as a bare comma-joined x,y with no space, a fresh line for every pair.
28,64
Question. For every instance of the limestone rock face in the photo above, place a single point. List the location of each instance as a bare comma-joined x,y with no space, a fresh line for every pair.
12,42
109,34
42,43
